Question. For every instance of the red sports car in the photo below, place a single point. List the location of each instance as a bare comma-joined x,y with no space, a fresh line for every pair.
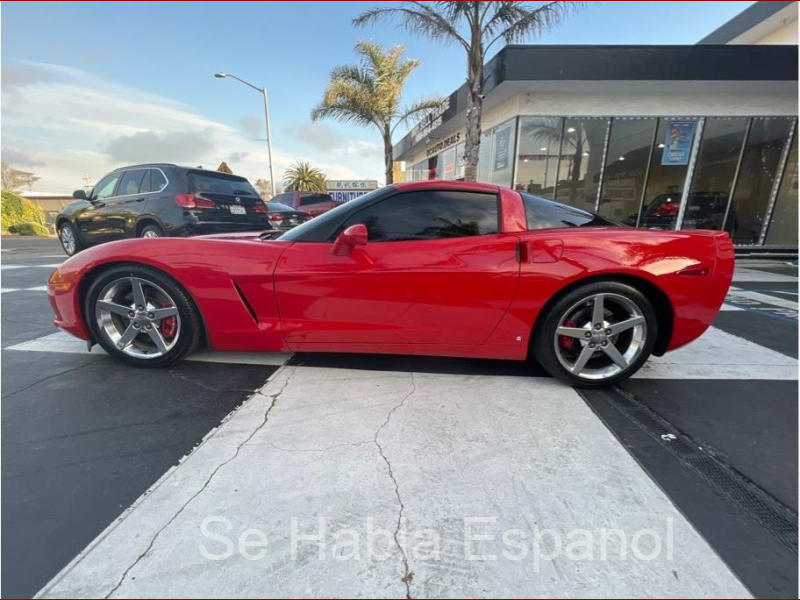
432,268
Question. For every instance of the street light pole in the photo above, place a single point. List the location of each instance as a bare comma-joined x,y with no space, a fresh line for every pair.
263,91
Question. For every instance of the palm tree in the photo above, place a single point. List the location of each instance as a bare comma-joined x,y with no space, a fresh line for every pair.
475,26
302,177
369,94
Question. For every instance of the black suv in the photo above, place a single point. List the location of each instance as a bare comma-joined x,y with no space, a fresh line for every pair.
158,200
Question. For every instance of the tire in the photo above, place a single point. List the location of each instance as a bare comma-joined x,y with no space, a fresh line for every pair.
72,244
572,348
152,231
130,330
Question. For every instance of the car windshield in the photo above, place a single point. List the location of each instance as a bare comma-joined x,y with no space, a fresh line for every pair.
219,183
278,207
333,215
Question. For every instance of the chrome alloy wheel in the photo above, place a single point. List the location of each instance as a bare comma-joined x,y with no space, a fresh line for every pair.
67,239
600,336
150,233
138,317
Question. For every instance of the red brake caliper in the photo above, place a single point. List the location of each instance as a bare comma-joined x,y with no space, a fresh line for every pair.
169,325
565,341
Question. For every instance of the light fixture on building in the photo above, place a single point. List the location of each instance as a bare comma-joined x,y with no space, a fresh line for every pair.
543,148
571,130
524,160
622,158
661,145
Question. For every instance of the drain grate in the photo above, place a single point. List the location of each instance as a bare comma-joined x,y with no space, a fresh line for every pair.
762,507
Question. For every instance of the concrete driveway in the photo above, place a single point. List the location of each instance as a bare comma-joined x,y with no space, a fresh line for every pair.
343,483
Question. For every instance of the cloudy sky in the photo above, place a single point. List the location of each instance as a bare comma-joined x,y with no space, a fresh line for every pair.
88,87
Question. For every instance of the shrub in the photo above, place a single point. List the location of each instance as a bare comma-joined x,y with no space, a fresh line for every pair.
29,228
17,210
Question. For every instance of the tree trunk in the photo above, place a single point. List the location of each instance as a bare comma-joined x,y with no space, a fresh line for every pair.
474,103
388,154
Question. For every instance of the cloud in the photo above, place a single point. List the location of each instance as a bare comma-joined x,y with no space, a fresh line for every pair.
150,146
319,136
252,126
71,122
15,158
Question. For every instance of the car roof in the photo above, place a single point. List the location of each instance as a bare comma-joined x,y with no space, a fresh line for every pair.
441,184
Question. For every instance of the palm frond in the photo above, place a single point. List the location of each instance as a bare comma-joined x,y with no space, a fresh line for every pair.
419,110
514,21
417,17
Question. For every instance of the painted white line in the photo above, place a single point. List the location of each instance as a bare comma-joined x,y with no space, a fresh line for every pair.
749,297
742,275
727,307
720,355
6,290
47,266
61,341
339,450
38,288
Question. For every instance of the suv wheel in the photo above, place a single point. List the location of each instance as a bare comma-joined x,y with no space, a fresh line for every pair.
68,237
152,231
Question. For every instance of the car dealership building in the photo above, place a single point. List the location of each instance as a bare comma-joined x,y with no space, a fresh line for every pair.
677,137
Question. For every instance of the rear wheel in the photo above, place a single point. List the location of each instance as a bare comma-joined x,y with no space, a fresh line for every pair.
68,237
142,317
596,335
152,231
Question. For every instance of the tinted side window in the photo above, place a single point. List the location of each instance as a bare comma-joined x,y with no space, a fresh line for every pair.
314,199
541,213
105,187
157,180
283,199
131,182
429,215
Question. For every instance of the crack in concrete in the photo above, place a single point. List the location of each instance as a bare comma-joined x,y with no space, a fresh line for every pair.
203,487
45,378
408,574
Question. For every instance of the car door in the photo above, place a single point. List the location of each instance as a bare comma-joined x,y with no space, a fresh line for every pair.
436,270
120,211
91,220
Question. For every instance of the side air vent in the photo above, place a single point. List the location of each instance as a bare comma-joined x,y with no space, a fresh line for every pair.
249,308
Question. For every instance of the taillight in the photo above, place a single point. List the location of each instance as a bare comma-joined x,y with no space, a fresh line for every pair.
192,201
276,217
259,208
666,210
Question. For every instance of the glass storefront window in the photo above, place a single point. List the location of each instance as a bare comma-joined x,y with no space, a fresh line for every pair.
537,158
713,173
757,174
626,166
580,163
484,156
460,161
495,157
662,197
783,227
447,164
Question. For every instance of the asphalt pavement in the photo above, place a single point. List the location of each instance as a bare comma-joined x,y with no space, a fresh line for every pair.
704,438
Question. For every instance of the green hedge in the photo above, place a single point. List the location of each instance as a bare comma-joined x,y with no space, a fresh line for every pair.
29,228
17,210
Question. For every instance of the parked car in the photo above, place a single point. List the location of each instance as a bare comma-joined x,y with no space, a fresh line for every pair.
159,200
284,217
437,268
314,203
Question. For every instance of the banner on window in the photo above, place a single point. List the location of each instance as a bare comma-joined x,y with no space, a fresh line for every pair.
678,143
502,142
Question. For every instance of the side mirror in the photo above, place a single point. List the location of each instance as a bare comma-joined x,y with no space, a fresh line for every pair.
79,195
355,235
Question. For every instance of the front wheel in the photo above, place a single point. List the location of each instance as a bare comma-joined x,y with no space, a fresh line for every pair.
596,335
70,242
152,231
142,316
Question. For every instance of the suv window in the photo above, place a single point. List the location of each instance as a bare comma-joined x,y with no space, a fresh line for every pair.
213,183
131,182
287,199
541,213
429,215
157,180
105,187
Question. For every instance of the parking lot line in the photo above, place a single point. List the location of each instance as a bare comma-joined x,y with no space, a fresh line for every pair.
29,266
743,296
458,475
61,341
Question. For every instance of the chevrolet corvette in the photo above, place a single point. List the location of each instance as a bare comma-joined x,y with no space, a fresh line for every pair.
434,268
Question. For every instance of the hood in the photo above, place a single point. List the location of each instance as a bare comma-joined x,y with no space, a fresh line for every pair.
236,235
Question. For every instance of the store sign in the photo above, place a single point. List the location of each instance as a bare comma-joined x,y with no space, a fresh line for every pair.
502,144
441,145
678,143
429,122
351,184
